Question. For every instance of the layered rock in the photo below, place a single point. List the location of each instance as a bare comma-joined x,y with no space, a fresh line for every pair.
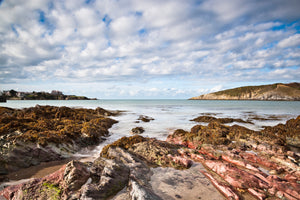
242,162
45,133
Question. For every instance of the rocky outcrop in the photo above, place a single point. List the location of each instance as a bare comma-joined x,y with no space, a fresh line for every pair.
45,133
124,166
208,119
278,91
238,162
2,98
242,162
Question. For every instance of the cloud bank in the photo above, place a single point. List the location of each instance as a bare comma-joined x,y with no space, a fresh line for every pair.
134,48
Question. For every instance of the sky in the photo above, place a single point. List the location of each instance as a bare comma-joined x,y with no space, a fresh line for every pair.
149,49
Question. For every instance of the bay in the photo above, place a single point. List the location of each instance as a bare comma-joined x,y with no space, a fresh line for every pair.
170,115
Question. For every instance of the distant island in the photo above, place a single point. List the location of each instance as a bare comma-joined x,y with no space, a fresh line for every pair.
54,95
273,92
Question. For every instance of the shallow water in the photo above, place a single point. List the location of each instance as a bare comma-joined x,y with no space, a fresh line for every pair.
170,115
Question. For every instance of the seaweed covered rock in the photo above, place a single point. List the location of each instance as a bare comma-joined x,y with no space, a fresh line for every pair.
124,142
271,138
44,133
145,118
289,132
137,130
209,119
154,152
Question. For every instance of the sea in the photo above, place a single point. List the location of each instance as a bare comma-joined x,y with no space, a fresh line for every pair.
171,114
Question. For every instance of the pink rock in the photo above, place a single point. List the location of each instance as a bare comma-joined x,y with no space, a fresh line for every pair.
7,192
180,160
259,160
236,162
257,194
225,190
197,157
16,191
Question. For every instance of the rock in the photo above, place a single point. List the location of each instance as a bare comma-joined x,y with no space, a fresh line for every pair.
139,192
140,173
236,162
224,189
45,133
48,187
108,178
239,163
145,118
209,119
124,142
75,175
137,130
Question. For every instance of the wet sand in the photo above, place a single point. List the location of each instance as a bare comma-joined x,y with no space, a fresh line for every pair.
173,184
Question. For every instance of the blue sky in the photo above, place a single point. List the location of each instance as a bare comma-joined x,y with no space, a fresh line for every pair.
147,48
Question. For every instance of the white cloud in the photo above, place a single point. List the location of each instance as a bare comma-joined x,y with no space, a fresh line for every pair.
135,41
291,41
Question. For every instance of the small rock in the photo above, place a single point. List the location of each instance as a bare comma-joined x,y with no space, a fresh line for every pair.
145,118
137,130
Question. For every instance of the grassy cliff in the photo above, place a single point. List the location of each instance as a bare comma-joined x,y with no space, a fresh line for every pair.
277,91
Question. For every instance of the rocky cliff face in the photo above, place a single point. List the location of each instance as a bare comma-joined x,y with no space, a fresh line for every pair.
284,92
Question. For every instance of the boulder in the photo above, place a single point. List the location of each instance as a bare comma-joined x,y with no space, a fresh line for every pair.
137,130
75,175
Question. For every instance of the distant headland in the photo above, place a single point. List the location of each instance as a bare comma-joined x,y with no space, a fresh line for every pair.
273,92
53,95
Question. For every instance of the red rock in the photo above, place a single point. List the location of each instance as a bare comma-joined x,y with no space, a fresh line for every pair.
257,194
235,176
251,157
180,160
197,157
8,192
236,162
192,145
16,191
225,190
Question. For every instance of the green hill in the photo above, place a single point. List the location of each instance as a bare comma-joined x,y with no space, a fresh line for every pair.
277,91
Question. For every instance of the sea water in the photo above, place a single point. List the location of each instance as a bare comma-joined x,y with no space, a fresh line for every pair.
170,115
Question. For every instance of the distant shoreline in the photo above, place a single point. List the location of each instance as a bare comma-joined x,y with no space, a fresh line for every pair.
243,99
273,92
54,95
